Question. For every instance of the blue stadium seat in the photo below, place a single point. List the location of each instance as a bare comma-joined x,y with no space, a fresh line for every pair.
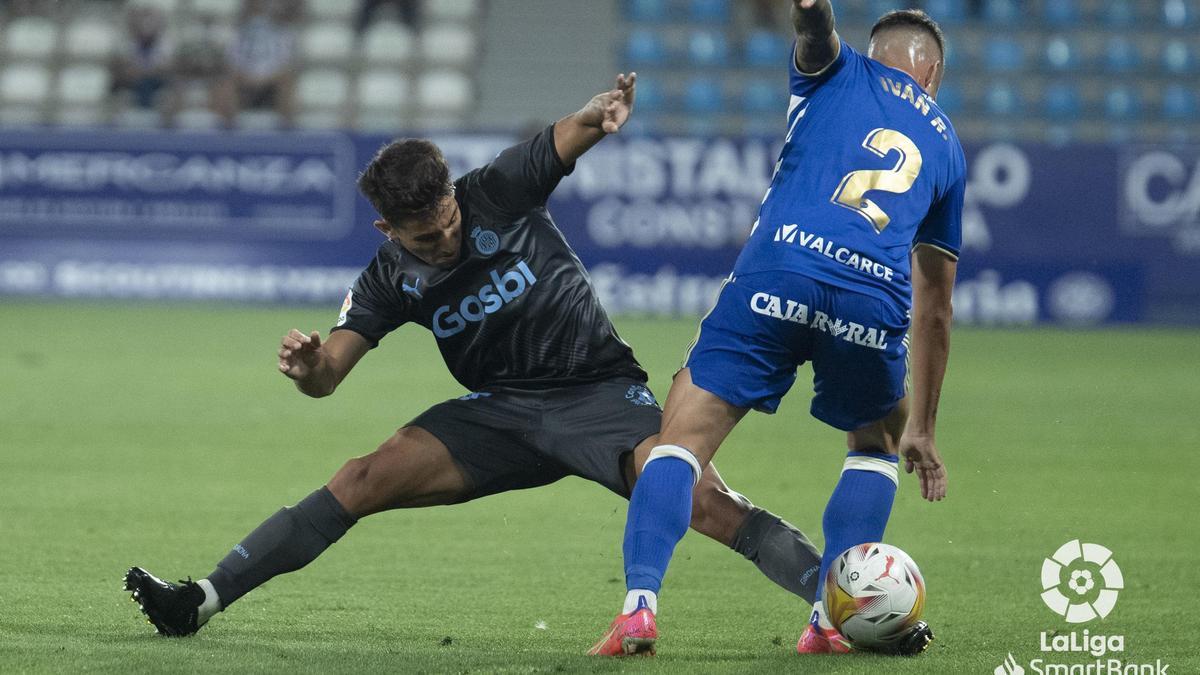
1122,103
647,11
1178,13
1063,54
709,11
947,12
1121,55
708,48
1179,103
1119,13
1062,101
1002,12
650,96
703,95
767,48
765,96
1002,100
1003,55
1178,58
877,8
950,99
1061,13
645,47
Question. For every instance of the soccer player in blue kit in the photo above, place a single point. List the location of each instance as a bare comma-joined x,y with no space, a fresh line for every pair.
850,266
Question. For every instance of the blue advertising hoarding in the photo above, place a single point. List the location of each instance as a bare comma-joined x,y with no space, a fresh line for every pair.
1079,235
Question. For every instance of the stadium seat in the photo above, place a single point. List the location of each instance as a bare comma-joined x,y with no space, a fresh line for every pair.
444,91
703,95
650,95
322,88
387,42
1122,103
1119,13
767,48
31,37
83,84
337,10
197,119
1003,55
1062,54
1179,103
1002,12
708,48
947,12
451,10
950,99
24,83
1061,13
137,118
85,116
646,11
645,47
709,11
327,43
222,9
167,7
1178,58
448,44
1002,100
320,120
258,120
1121,55
1178,13
765,96
90,38
1062,101
383,89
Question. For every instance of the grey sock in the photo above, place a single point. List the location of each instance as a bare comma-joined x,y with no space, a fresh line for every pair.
285,542
781,552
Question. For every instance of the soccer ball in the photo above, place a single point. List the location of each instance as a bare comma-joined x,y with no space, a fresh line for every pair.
874,594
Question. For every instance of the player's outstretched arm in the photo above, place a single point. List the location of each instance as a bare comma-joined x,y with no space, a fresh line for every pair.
319,367
933,283
817,43
605,114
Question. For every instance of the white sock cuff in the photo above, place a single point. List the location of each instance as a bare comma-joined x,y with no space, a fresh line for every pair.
883,464
678,452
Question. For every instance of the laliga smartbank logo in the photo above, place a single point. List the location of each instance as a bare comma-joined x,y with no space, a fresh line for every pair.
1080,583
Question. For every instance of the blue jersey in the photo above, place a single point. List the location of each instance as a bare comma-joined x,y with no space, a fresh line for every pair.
870,168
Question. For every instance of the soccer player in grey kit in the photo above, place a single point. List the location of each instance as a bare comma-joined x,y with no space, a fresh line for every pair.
554,389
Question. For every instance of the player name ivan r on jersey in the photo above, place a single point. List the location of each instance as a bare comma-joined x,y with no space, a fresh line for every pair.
792,234
797,312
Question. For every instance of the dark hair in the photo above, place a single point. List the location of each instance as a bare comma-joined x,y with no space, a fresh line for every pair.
407,179
912,18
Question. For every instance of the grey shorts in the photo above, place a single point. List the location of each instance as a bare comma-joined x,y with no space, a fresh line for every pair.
512,440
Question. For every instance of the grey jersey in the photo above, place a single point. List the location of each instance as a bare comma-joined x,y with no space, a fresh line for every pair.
518,310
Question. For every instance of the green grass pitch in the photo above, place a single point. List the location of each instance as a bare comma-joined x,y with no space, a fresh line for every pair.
159,435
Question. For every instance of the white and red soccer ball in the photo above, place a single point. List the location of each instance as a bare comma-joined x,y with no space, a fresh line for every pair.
874,594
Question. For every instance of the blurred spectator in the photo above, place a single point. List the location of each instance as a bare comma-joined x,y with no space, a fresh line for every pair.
766,14
143,65
406,10
262,61
200,64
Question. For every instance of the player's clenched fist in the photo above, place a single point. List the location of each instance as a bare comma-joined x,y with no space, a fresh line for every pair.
299,354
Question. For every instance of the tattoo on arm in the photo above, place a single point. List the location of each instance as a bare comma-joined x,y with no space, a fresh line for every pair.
816,40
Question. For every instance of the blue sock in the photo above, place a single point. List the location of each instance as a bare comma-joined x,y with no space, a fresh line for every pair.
859,507
659,512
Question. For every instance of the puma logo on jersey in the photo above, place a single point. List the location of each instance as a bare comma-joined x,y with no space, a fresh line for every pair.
489,300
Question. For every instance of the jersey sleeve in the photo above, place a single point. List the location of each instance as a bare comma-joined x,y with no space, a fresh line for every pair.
523,176
942,227
804,84
371,308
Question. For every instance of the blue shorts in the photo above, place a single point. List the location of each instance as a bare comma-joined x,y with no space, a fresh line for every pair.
765,325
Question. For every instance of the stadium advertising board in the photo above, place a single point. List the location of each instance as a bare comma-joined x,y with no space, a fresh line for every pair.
1077,234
